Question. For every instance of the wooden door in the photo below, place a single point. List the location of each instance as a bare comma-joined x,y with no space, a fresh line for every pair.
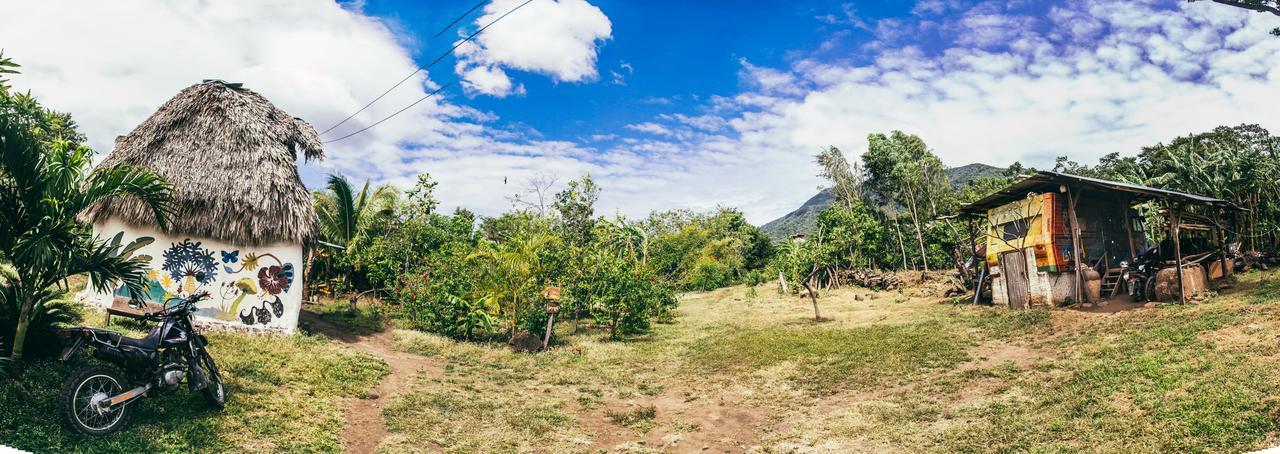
1013,265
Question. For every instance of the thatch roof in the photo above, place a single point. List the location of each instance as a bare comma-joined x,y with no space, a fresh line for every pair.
230,155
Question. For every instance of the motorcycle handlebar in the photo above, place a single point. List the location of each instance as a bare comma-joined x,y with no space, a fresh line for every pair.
186,303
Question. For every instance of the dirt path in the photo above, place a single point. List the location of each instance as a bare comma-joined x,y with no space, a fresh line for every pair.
365,426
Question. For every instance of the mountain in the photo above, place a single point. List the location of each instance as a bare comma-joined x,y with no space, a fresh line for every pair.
961,176
805,218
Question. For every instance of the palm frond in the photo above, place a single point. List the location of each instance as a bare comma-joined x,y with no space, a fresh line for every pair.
342,218
127,180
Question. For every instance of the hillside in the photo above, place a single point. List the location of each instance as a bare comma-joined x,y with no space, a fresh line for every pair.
805,218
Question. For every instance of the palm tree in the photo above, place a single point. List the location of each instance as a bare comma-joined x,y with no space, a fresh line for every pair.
345,214
628,238
45,183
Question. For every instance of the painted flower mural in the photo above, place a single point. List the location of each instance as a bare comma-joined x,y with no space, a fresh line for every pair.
190,265
276,279
251,286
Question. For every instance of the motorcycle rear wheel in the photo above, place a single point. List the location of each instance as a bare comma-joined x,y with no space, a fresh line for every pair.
81,394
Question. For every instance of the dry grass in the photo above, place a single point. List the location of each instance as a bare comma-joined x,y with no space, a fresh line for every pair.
884,371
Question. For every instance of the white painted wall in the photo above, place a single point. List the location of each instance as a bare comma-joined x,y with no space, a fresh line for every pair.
250,286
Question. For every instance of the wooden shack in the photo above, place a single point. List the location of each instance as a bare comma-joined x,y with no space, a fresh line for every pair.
1047,235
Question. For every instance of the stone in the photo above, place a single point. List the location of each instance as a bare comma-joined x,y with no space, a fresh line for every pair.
1150,304
1103,303
1087,305
525,342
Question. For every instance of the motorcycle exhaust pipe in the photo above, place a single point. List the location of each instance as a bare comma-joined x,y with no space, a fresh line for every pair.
127,397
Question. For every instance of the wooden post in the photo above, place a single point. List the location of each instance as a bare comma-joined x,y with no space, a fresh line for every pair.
1072,197
1128,231
1221,240
546,338
982,275
782,280
1174,228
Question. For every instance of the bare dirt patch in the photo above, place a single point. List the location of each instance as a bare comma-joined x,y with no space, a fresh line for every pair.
365,427
994,354
679,423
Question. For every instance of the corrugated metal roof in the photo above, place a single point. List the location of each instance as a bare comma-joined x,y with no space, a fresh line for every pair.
1045,181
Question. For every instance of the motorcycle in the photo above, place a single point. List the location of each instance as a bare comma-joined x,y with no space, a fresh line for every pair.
1140,276
95,400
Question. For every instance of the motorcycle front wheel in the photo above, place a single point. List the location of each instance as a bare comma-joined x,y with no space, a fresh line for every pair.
216,393
82,395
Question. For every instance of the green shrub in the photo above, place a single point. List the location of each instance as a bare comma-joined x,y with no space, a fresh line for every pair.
623,296
439,298
708,274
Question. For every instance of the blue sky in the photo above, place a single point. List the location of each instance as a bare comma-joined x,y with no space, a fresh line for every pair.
689,104
675,53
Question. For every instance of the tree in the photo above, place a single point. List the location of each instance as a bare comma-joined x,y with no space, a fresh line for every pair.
1261,6
345,214
536,193
421,202
626,238
1240,164
45,182
511,270
845,179
902,171
850,225
577,206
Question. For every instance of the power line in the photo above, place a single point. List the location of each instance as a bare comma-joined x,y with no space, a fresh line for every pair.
433,63
455,21
398,112
415,71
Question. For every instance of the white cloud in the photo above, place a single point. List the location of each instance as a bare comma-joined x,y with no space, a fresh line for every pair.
1154,75
557,38
311,58
1095,77
651,128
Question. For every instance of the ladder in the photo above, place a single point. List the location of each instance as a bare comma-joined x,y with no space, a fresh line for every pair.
1111,282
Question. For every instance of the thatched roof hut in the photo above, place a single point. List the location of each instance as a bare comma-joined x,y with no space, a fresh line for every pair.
230,155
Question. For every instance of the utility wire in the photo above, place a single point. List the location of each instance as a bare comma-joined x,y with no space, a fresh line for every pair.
423,68
455,21
415,71
398,112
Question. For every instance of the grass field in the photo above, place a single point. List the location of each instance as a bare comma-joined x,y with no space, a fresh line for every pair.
285,396
751,371
895,371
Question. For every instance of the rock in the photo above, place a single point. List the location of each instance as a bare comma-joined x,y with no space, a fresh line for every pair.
1087,305
1103,303
1150,304
857,297
706,447
371,396
525,342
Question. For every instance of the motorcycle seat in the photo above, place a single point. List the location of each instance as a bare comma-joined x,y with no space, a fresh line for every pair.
150,342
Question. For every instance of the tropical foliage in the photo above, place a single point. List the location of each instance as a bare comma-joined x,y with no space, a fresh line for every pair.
45,182
472,278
